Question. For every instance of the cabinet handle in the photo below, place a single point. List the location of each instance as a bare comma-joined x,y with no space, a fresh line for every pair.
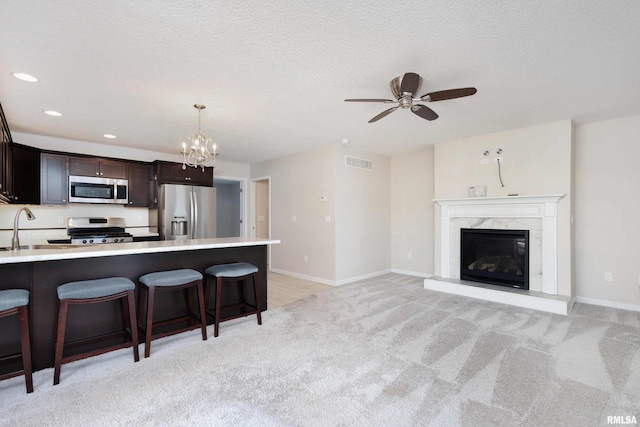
98,173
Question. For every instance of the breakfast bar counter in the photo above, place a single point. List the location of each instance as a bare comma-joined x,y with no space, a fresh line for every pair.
41,271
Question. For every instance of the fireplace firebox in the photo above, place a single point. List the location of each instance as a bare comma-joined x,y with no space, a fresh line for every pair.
498,257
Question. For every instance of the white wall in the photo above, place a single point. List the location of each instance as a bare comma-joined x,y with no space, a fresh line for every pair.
363,216
297,182
537,161
345,237
412,213
608,211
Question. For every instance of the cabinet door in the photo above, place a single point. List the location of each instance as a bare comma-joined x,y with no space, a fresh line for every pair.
54,179
170,173
140,184
195,176
25,174
84,166
113,169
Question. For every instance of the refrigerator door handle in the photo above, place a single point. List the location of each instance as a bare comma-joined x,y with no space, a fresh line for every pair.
191,215
194,214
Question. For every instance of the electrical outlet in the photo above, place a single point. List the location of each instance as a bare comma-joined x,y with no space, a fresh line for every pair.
608,277
409,255
484,161
306,258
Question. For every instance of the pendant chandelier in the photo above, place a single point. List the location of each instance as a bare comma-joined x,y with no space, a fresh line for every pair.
199,154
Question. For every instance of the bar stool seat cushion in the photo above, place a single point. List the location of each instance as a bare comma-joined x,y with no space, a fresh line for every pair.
12,298
236,269
95,288
171,278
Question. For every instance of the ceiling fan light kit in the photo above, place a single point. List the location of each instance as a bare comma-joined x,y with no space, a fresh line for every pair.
404,89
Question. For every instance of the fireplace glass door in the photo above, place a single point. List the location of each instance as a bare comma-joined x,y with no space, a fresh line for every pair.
499,257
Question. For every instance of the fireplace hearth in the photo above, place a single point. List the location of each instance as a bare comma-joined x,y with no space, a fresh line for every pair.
498,257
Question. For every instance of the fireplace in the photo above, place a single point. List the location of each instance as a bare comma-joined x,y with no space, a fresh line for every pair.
498,257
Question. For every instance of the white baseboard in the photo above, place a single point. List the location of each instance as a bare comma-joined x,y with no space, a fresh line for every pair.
411,273
330,282
363,277
605,303
303,276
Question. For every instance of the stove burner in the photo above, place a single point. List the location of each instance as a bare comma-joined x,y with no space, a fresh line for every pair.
91,231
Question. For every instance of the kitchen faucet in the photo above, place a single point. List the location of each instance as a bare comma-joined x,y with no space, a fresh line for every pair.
15,241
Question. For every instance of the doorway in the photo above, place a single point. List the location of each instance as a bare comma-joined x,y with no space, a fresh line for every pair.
229,207
261,224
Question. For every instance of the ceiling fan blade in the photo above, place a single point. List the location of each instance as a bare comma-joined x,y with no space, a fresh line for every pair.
383,114
369,100
424,112
395,87
410,83
443,95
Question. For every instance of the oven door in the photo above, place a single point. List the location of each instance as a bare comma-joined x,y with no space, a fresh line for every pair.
86,189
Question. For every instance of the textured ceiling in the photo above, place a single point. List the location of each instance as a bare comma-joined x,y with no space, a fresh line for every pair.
274,74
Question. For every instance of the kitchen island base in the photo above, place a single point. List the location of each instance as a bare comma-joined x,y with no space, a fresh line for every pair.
42,278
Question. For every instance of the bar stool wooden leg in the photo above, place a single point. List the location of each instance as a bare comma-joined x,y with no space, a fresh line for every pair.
203,314
131,318
218,299
256,295
23,318
189,295
151,293
62,327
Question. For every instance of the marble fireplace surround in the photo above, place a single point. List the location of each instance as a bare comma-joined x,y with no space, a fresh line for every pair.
538,214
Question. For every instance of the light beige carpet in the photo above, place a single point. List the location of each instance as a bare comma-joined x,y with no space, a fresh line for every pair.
381,352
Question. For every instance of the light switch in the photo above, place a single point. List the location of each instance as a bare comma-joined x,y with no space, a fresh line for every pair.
294,218
327,218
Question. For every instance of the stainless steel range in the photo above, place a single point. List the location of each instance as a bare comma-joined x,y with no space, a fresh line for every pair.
96,230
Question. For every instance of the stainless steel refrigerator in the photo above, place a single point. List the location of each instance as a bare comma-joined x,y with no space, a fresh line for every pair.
186,212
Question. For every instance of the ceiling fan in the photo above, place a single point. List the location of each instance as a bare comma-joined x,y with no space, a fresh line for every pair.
404,89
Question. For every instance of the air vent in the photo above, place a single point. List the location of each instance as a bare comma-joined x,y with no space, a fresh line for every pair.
354,162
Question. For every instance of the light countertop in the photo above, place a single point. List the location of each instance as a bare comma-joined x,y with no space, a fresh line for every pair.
132,248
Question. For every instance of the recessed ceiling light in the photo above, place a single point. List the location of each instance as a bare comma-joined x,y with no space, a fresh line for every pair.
108,135
53,113
25,77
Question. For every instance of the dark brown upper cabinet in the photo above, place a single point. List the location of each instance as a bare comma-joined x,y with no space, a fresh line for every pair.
25,174
141,184
91,166
54,179
172,173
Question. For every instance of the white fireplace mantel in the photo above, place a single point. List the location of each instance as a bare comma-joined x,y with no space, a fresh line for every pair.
543,207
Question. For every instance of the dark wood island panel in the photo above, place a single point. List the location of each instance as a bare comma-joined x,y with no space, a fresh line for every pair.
42,278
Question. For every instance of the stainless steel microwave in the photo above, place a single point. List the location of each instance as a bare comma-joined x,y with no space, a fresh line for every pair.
87,189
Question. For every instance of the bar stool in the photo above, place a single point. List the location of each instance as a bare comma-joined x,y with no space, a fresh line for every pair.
15,301
237,272
173,280
92,292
